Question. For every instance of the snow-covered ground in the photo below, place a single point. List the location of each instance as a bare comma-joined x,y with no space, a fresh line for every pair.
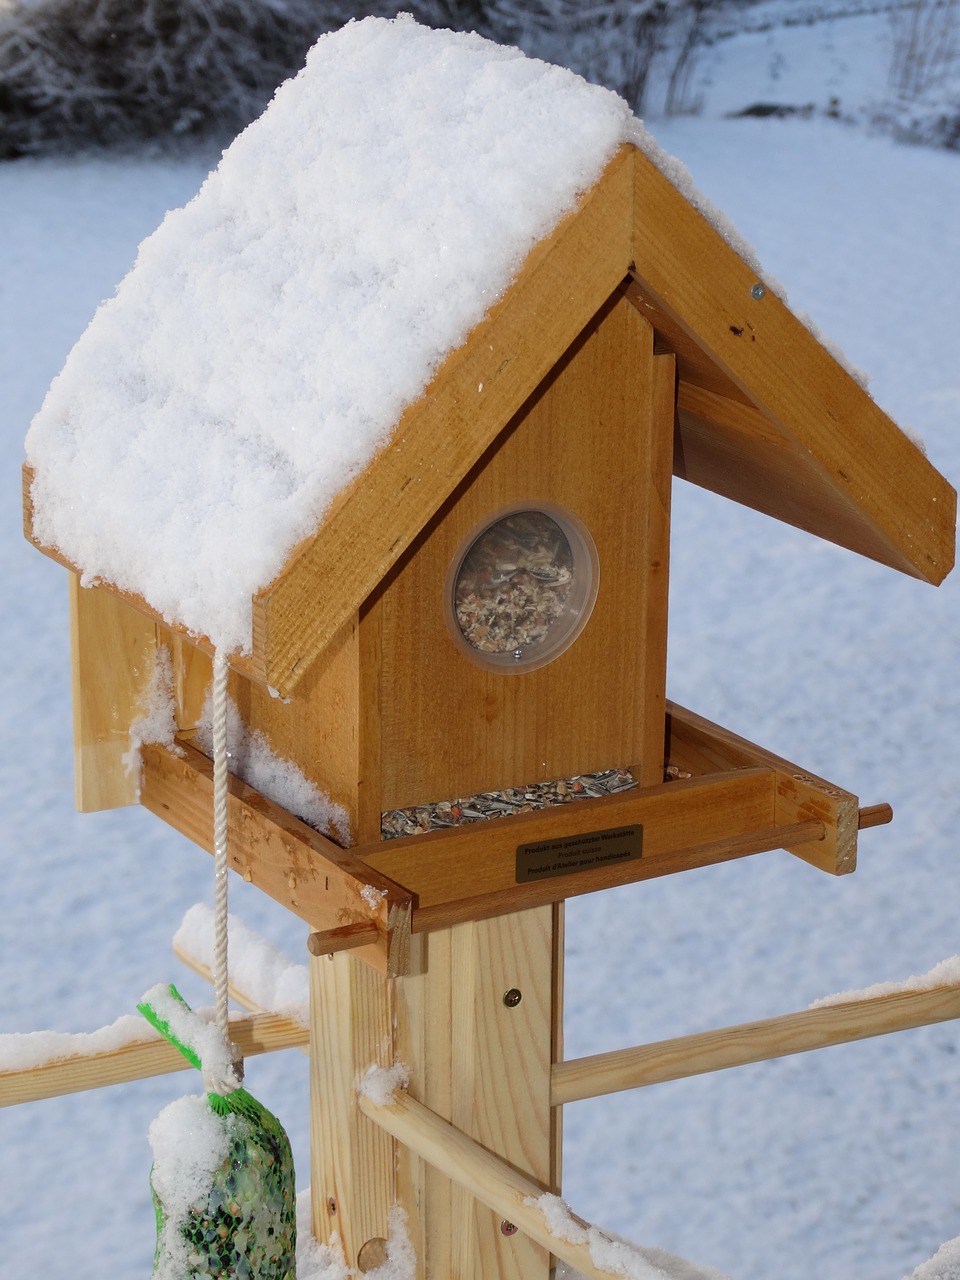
840,1164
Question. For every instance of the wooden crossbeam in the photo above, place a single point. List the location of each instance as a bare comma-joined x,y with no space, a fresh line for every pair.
149,1056
791,1033
483,1175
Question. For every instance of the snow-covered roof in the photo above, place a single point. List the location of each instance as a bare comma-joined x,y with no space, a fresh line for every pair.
271,332
410,189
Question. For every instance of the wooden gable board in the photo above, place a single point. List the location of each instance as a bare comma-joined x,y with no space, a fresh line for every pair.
767,416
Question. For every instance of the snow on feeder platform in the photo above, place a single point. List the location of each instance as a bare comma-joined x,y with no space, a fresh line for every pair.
391,412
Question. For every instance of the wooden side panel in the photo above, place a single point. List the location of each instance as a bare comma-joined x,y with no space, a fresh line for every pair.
483,1063
857,458
597,441
700,746
112,648
478,389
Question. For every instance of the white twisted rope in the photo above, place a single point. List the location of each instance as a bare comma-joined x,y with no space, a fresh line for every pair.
220,778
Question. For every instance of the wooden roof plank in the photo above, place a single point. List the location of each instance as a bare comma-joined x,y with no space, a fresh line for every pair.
860,459
477,390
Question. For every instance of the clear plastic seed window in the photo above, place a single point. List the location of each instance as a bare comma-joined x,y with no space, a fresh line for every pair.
522,587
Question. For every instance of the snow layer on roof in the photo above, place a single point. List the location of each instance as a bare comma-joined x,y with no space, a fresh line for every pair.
271,332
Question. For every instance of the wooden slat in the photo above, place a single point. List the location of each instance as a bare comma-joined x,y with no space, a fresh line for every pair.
288,860
151,1056
494,1182
700,746
351,1160
779,1037
442,867
478,389
484,1065
858,459
112,651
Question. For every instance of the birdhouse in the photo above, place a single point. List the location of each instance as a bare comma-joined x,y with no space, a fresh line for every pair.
462,642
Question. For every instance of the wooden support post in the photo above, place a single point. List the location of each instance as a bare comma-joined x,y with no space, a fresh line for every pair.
477,1032
352,1160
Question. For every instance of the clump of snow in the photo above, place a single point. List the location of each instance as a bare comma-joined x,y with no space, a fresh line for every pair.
251,758
157,721
257,968
612,1254
944,974
944,1265
382,1084
316,1261
24,1050
372,896
196,1033
189,1142
272,332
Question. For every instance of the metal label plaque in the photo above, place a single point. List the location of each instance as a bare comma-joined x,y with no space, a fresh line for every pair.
570,854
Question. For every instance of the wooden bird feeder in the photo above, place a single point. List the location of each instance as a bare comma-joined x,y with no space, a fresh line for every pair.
482,616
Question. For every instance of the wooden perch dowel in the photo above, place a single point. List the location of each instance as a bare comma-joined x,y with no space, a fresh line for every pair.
151,1056
489,1179
875,815
692,1055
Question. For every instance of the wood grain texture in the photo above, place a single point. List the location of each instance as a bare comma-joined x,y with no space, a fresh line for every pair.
151,1056
703,747
479,387
510,1194
596,444
479,859
484,1066
859,461
351,1159
790,1033
295,865
112,651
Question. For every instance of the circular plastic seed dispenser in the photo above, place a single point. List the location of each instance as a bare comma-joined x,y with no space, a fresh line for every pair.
522,587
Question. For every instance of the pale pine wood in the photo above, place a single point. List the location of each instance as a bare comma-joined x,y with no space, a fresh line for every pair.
483,1176
867,485
351,1159
151,1056
112,650
485,1067
698,744
301,869
479,387
736,1046
596,443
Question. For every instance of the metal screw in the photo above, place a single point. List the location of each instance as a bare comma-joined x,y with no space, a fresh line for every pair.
512,998
507,1228
758,291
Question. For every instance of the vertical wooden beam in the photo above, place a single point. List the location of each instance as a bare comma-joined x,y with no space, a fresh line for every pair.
112,648
482,1060
351,1159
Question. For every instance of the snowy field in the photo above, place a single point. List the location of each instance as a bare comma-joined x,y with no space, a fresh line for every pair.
840,1164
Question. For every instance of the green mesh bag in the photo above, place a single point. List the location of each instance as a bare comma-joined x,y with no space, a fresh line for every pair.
242,1226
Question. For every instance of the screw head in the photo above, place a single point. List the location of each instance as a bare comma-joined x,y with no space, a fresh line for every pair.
512,998
758,291
507,1228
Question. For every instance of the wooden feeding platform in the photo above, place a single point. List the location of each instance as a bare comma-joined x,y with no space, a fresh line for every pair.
471,645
